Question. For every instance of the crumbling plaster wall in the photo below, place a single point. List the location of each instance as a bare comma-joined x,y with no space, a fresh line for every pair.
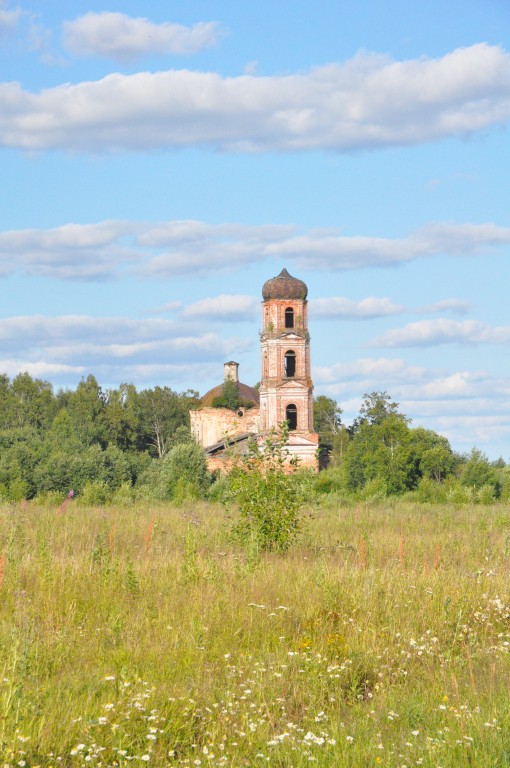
210,425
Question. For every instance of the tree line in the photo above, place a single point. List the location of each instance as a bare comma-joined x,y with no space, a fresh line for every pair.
381,454
122,443
87,438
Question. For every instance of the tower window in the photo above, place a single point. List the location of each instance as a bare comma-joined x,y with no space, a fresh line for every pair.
289,317
290,364
291,416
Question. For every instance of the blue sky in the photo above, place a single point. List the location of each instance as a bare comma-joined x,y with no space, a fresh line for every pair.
160,161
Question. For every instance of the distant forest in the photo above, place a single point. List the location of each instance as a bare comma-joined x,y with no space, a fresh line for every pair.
123,444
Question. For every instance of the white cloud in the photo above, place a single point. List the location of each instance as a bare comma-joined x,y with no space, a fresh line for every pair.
339,307
9,20
223,307
166,249
468,407
113,372
426,333
169,307
367,374
470,431
456,306
39,368
368,102
71,251
98,341
121,37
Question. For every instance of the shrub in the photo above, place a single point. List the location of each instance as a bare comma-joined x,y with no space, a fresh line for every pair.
183,471
267,496
459,494
50,498
95,492
18,490
486,494
374,490
429,490
124,495
219,489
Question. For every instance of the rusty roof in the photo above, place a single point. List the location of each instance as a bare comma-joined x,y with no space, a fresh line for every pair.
284,286
246,393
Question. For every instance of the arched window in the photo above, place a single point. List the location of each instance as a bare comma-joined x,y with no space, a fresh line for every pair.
289,317
290,364
291,416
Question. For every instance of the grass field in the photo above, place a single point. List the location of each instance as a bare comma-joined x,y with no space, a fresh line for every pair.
142,636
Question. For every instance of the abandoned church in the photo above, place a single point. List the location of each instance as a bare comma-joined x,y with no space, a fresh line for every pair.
285,392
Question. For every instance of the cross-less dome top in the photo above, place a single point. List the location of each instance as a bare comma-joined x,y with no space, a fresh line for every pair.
248,395
284,286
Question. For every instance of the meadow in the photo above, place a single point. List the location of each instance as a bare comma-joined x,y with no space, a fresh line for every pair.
143,635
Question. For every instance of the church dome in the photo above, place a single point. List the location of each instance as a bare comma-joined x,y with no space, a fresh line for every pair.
247,395
284,286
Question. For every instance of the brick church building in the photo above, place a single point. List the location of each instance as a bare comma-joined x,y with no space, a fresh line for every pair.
285,392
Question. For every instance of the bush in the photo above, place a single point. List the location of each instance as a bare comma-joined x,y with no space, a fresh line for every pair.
374,490
124,495
429,490
219,489
486,494
18,490
459,494
95,492
183,472
50,498
330,480
267,496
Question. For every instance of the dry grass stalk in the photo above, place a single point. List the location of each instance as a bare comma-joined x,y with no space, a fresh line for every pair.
437,561
111,539
426,569
149,534
471,670
2,568
402,553
63,506
362,555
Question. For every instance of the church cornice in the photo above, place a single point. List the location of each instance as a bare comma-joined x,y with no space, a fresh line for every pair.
286,335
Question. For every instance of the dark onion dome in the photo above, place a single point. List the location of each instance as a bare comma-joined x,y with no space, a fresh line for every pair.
284,286
246,394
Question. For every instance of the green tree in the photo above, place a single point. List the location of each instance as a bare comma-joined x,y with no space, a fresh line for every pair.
381,447
32,403
375,408
229,398
327,420
162,412
478,471
122,416
86,406
436,458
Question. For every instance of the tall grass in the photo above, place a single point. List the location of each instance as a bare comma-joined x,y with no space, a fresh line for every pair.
142,635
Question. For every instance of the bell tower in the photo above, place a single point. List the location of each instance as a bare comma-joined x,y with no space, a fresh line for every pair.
286,389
